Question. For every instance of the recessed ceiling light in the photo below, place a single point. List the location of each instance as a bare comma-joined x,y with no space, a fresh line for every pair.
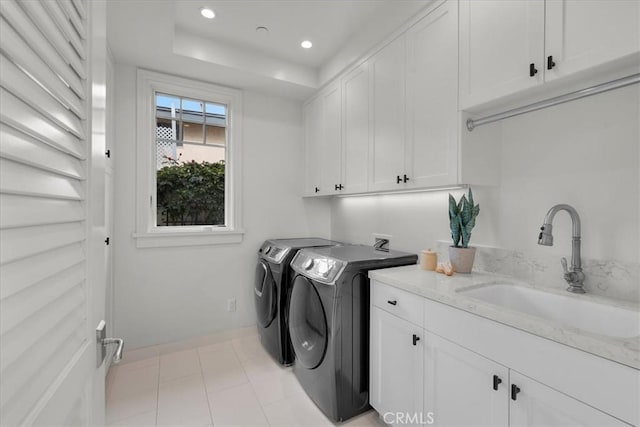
207,13
306,44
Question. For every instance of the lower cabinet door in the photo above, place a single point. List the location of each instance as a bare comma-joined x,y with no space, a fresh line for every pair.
396,377
463,388
535,404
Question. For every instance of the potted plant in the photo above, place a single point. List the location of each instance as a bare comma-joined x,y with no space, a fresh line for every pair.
462,219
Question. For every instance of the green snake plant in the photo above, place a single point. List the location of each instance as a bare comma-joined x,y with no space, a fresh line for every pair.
462,219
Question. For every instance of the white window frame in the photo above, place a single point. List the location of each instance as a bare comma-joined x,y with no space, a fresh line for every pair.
147,233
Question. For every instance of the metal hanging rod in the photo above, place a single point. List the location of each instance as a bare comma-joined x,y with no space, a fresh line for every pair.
582,93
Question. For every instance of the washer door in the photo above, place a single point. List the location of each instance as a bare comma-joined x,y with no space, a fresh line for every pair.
307,324
265,293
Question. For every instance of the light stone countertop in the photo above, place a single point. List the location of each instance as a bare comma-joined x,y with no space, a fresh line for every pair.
445,290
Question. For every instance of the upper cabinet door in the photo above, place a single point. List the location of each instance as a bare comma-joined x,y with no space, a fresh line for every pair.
312,139
501,48
432,98
330,146
355,130
387,70
582,34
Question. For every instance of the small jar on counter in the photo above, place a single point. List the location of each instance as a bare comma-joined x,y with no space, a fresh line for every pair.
429,260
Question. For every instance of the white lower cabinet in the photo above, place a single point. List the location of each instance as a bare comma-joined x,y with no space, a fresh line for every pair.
457,369
396,369
536,405
463,388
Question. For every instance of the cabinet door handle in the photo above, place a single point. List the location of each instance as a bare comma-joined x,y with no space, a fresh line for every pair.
532,70
317,189
496,382
406,178
398,179
514,391
550,63
393,302
415,339
339,187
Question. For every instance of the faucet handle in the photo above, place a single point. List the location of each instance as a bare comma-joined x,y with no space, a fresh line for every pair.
563,261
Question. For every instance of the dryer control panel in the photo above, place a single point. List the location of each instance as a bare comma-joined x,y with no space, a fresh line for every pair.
273,253
317,267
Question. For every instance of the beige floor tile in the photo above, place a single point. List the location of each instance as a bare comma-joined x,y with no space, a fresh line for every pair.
247,347
263,367
183,402
131,405
179,365
148,419
276,387
133,378
236,406
220,367
368,419
298,411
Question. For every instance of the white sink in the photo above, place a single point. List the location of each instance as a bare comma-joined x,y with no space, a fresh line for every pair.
570,310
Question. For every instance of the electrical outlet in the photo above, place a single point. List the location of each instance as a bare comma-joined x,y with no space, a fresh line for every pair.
231,304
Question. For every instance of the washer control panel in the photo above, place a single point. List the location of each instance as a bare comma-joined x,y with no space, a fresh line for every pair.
317,267
273,253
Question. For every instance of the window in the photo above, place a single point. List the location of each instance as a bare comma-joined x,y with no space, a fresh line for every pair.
188,146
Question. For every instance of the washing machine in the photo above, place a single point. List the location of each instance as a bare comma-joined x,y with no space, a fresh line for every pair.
271,292
329,324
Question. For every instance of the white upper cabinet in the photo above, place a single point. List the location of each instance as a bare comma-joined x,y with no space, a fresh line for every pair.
582,34
509,46
431,149
501,48
312,139
330,147
355,130
387,69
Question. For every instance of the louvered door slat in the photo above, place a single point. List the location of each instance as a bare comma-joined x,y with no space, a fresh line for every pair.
37,98
39,368
65,27
17,146
40,45
16,113
17,308
21,211
21,243
19,275
16,178
50,29
74,17
15,48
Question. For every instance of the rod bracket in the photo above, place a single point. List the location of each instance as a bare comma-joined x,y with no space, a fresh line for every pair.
470,125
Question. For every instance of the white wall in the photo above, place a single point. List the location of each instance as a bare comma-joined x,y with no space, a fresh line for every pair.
584,153
170,294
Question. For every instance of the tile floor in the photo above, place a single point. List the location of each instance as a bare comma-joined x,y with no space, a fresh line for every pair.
231,383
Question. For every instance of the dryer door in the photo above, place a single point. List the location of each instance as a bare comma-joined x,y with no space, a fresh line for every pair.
265,294
307,323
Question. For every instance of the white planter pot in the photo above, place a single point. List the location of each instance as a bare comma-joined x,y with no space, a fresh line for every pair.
462,259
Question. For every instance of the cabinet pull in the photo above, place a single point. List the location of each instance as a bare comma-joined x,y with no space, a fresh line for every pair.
393,302
406,178
415,339
496,382
514,391
532,70
339,187
317,189
550,63
398,179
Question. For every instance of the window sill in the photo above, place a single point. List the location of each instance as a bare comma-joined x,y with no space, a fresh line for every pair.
163,239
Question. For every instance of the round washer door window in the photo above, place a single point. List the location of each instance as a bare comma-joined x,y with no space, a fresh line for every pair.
307,323
264,290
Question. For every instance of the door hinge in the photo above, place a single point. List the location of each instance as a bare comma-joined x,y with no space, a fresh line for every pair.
108,154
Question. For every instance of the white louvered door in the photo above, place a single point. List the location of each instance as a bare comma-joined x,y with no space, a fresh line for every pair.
48,237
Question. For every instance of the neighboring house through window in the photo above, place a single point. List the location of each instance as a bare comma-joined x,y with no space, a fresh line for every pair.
189,145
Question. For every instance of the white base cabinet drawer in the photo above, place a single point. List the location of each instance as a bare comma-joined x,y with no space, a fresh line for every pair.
401,303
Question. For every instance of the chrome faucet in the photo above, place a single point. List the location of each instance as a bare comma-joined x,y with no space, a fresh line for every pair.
575,276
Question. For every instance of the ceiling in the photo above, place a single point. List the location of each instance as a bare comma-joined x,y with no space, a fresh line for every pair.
172,36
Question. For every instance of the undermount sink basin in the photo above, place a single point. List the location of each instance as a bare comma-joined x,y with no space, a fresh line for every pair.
569,310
